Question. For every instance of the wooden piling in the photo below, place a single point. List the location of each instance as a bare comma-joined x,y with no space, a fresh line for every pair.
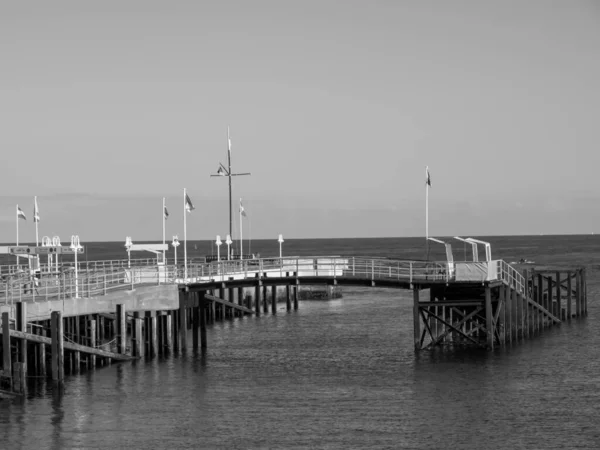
257,291
578,293
92,357
21,325
121,329
41,364
288,295
489,326
57,347
240,299
273,299
154,332
6,348
169,332
174,331
265,299
136,338
183,297
416,320
202,303
295,297
195,326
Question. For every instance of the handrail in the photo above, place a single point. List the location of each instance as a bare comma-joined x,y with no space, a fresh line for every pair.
97,278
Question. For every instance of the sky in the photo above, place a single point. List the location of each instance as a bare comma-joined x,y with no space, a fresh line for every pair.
334,107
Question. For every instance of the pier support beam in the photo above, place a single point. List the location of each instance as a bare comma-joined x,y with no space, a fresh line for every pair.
489,317
121,320
92,358
136,338
183,301
58,357
416,320
6,348
257,292
21,325
202,304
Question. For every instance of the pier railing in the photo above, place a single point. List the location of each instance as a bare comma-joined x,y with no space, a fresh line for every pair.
92,279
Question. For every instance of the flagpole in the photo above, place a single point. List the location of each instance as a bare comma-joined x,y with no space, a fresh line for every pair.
427,210
36,219
241,233
17,244
184,237
164,225
229,176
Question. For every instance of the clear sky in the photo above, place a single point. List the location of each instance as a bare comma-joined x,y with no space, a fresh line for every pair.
335,107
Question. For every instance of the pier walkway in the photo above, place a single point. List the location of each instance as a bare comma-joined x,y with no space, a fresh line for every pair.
115,310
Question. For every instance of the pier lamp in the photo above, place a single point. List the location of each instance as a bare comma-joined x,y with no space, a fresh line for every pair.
175,244
56,243
228,241
280,240
128,245
75,246
218,242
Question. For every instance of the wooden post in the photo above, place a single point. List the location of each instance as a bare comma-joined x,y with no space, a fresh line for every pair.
219,308
6,349
558,312
257,291
183,297
240,298
584,290
153,332
202,310
265,299
169,332
92,358
578,293
508,312
121,328
195,326
416,320
41,370
540,301
489,317
136,338
288,295
175,330
273,299
296,297
21,325
58,364
232,312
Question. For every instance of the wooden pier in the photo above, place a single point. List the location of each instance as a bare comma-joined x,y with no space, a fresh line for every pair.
142,312
497,313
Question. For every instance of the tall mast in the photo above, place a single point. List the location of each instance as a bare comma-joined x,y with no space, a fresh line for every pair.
223,171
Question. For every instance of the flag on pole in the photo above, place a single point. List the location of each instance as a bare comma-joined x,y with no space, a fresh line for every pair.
36,211
167,213
427,177
221,172
189,206
20,213
242,210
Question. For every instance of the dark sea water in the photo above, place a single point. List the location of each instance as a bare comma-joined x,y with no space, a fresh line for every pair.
337,374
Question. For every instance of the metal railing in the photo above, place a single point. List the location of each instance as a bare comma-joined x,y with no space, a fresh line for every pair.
510,276
98,278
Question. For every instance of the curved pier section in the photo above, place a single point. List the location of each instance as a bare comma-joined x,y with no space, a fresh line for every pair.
89,315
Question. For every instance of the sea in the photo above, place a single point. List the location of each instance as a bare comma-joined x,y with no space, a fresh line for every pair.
336,374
